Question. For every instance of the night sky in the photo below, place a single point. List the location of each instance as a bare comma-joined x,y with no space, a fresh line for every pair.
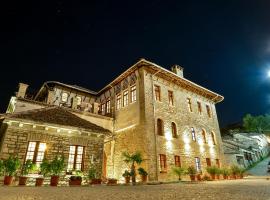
223,45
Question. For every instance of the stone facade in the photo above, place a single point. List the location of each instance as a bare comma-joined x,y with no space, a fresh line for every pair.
134,125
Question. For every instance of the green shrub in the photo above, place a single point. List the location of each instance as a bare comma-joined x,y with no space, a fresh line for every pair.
212,170
11,165
235,170
27,167
92,173
179,171
1,168
45,167
225,171
57,165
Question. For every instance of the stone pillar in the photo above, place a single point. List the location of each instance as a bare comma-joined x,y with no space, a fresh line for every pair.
22,90
95,108
50,97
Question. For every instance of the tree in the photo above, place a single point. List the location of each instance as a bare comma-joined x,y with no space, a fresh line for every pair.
133,159
259,124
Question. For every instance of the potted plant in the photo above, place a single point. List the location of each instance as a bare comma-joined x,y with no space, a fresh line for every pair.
11,165
199,176
241,172
143,174
112,181
75,180
178,171
92,176
191,171
44,171
27,167
218,172
212,171
225,173
126,175
234,171
56,167
133,159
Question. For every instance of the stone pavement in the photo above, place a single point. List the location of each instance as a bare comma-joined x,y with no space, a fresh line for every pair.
260,169
249,189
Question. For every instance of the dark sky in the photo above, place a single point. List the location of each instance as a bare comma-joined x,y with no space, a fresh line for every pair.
223,45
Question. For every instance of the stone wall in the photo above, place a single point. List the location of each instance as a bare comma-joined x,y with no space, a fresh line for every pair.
17,135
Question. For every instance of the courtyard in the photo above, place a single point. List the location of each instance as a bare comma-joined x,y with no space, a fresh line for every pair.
247,189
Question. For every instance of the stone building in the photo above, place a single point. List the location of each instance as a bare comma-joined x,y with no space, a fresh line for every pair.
169,119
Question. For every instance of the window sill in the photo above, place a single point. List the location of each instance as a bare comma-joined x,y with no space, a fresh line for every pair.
163,172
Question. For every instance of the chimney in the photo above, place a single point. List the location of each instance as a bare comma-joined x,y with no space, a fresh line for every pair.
50,96
22,90
178,70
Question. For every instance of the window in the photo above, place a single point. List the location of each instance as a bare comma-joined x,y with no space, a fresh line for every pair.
170,96
189,104
160,130
133,94
198,164
204,136
157,93
108,106
217,163
35,152
64,97
213,138
102,108
163,163
118,102
79,100
208,162
177,161
199,107
125,98
208,111
75,159
174,130
193,134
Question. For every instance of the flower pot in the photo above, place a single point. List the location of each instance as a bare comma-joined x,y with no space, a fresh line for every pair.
22,180
241,176
39,181
8,180
144,178
192,177
233,176
95,181
218,176
75,182
199,178
127,179
112,182
54,180
225,177
213,176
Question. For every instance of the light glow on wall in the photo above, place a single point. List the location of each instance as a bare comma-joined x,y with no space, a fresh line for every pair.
126,128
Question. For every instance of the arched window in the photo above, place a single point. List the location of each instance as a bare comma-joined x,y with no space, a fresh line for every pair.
193,134
203,135
174,130
64,97
160,130
213,138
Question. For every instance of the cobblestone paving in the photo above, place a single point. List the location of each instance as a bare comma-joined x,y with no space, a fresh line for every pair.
250,189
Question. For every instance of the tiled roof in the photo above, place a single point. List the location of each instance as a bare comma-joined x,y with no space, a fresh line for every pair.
59,116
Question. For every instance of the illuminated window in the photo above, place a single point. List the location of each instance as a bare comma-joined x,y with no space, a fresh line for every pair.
75,159
208,111
133,94
102,107
79,100
64,97
198,164
189,104
125,98
35,152
163,162
193,134
213,138
170,96
174,130
118,102
203,135
108,106
177,161
199,107
157,93
160,128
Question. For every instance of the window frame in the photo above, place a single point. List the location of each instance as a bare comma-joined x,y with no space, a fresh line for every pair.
189,104
62,97
108,106
133,93
118,102
204,136
198,164
174,130
193,134
163,163
213,138
36,151
177,161
160,127
125,98
208,110
157,92
199,104
75,158
171,97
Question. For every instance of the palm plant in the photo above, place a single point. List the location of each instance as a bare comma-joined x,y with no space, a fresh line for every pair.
179,171
133,159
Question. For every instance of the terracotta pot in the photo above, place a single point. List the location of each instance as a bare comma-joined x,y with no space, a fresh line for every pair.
199,178
112,182
8,180
22,180
241,176
95,181
213,176
39,181
54,180
192,177
233,176
75,182
144,178
225,177
127,179
218,177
